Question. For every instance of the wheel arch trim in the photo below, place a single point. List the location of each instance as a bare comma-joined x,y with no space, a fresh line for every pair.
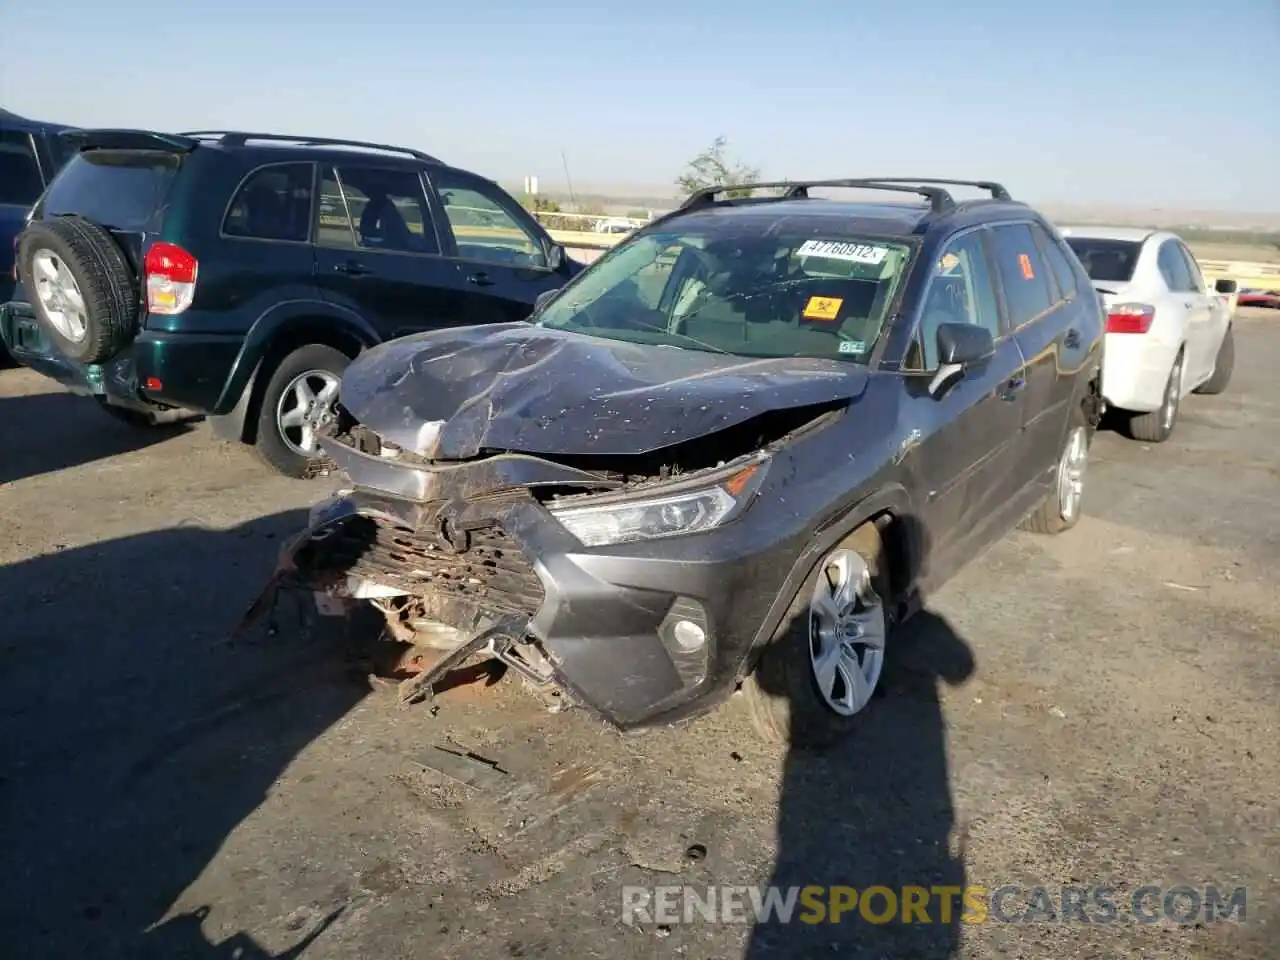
233,412
889,504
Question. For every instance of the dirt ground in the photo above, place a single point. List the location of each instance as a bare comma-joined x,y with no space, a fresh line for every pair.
1099,709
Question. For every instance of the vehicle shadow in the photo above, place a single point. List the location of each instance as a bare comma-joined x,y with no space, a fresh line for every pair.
875,811
136,739
48,432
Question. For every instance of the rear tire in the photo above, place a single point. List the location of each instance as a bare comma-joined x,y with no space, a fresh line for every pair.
1157,426
783,695
81,287
1060,510
282,447
1222,367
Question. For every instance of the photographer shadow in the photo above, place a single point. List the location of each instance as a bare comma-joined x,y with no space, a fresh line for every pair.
871,821
137,741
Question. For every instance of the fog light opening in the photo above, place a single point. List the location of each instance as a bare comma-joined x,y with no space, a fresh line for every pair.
688,635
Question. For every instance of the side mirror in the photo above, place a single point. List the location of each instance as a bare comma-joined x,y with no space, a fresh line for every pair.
545,297
960,346
1226,286
555,257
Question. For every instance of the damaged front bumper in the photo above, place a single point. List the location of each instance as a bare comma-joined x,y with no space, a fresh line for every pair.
634,633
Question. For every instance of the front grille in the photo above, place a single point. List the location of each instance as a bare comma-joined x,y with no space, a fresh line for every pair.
492,571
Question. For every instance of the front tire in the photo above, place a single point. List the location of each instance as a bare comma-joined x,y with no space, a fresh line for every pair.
1222,367
823,666
297,400
1156,426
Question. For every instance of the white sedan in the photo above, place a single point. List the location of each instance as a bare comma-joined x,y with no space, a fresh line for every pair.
1168,332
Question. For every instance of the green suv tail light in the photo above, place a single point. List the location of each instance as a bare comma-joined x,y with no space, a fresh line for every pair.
170,278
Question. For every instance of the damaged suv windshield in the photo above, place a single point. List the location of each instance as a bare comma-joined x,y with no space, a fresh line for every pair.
757,295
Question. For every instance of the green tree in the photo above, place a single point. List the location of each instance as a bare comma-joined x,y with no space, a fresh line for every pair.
538,204
713,168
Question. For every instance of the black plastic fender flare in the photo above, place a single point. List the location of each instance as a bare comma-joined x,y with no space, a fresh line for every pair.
232,409
892,499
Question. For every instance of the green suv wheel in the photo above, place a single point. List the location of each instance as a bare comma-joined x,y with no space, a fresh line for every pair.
298,400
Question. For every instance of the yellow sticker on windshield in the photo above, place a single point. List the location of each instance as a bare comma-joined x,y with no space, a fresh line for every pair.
822,308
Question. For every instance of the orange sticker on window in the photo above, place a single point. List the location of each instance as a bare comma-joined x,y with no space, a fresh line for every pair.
1027,272
822,308
948,261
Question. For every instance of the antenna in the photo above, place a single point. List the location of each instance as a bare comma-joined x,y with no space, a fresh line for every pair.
568,179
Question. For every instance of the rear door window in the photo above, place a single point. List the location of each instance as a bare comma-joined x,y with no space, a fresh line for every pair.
1173,268
1193,269
119,189
373,208
1058,263
484,225
273,203
1023,276
20,180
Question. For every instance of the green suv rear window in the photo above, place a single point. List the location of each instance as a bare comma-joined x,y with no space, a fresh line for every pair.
118,189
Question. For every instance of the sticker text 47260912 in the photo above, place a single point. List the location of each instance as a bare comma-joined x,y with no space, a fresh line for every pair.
840,250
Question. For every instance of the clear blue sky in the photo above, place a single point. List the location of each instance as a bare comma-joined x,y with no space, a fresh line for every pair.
1170,102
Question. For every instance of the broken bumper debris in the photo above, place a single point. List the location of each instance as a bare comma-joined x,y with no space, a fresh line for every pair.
624,633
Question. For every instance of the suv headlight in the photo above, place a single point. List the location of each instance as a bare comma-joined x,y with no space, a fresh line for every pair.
649,518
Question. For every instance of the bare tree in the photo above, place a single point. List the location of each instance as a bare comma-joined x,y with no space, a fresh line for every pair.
713,168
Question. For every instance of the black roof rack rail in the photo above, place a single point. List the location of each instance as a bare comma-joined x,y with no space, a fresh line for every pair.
997,190
236,138
939,200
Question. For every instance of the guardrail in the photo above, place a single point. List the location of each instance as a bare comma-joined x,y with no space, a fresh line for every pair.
1249,275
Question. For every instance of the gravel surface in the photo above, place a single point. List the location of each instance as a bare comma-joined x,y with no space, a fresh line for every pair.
1097,709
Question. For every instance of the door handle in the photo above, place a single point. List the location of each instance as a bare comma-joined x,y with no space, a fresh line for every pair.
352,268
1072,339
480,279
1011,387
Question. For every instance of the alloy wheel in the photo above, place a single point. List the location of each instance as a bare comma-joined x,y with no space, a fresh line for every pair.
1172,395
847,630
1071,471
305,405
59,295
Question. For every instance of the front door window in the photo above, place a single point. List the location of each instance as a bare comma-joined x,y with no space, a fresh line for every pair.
484,228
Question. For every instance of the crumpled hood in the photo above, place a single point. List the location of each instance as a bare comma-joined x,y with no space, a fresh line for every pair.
449,394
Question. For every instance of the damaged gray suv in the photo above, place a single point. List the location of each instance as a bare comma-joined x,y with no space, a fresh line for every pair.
733,454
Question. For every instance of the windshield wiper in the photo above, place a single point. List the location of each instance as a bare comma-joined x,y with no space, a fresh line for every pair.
683,336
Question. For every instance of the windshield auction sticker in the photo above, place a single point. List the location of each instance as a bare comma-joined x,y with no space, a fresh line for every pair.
838,250
822,308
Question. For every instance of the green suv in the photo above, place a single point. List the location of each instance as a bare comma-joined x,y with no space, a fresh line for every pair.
235,275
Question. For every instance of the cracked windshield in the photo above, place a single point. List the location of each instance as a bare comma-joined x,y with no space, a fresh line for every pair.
757,296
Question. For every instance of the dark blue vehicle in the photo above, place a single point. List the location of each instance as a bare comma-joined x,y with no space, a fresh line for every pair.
30,154
733,453
236,274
